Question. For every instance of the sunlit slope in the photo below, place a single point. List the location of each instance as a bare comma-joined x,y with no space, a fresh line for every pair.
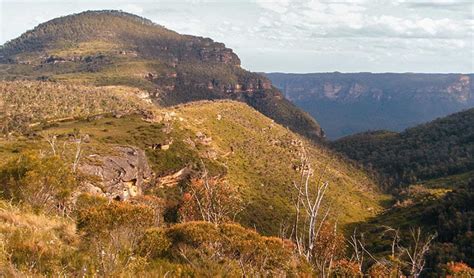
233,140
263,161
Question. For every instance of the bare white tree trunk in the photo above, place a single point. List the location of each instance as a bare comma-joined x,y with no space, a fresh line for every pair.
309,214
417,251
51,139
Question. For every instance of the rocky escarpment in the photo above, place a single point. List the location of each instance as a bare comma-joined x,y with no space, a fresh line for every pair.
356,102
378,87
118,176
117,48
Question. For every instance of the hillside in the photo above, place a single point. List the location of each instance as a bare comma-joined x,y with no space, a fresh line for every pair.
349,103
443,147
255,154
147,158
52,101
129,150
430,171
105,48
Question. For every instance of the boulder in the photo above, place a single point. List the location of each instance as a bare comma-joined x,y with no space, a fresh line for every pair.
119,176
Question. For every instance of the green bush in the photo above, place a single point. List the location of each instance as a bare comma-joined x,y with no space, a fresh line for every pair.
232,249
42,182
112,232
154,243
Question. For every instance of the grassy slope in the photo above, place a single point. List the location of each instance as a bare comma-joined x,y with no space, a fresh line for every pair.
261,164
262,171
263,160
25,236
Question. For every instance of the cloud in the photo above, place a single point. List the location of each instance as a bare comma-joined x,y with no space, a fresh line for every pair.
277,6
433,4
362,19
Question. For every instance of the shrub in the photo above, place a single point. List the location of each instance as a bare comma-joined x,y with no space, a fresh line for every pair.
43,182
154,243
210,199
459,269
155,203
34,244
232,249
346,268
112,233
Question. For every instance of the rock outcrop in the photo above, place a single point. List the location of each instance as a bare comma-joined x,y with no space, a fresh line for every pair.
175,178
118,176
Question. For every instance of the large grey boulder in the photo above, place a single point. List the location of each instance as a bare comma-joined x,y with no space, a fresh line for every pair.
119,176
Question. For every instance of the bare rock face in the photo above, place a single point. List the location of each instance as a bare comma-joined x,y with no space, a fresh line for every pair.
175,178
119,176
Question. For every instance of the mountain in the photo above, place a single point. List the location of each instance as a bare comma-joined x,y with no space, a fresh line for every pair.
127,149
443,147
348,103
104,48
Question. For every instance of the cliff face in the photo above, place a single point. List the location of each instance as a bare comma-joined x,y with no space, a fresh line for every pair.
116,48
350,103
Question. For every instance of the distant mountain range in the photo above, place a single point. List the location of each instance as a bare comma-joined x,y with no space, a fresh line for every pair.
348,103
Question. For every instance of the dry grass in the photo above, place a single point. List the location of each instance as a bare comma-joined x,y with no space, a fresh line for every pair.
34,244
27,103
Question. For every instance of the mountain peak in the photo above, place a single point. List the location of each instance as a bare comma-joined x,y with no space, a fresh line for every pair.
117,48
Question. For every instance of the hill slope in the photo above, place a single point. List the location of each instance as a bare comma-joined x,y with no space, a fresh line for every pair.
437,149
116,48
251,151
348,103
430,170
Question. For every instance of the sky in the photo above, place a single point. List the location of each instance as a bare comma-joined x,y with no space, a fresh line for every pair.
298,35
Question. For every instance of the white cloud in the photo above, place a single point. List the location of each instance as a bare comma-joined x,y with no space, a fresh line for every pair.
278,6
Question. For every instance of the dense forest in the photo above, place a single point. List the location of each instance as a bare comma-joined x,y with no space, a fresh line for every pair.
440,148
429,170
452,217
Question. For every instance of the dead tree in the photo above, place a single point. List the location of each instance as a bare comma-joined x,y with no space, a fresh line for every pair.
78,140
51,139
410,260
210,199
417,250
310,216
358,250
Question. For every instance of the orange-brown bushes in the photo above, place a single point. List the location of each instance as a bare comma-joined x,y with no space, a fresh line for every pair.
230,245
459,269
210,199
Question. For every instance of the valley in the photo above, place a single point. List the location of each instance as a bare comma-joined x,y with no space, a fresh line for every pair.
349,103
128,149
